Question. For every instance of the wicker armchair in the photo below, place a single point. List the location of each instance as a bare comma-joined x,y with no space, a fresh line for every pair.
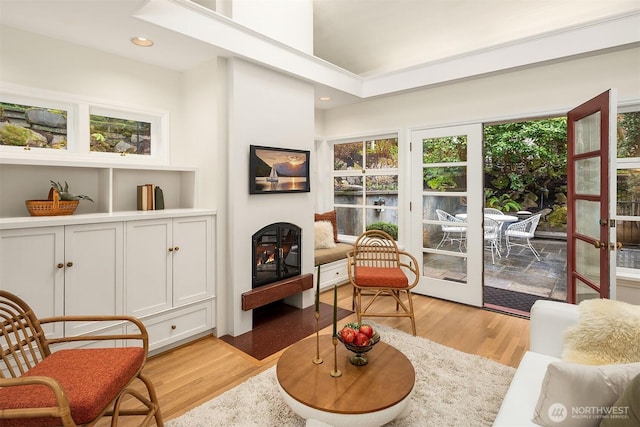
70,386
377,268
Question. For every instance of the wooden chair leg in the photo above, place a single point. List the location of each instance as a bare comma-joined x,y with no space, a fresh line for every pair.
412,313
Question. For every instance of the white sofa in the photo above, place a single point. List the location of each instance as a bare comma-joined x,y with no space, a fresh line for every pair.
549,320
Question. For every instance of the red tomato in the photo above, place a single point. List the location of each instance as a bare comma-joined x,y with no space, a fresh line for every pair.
348,334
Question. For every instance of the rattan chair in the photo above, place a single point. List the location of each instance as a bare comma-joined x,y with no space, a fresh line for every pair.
53,382
376,268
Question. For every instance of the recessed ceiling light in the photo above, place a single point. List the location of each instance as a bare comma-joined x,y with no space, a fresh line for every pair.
325,98
141,41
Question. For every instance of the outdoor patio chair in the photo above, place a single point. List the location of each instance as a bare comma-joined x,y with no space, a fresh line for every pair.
376,268
492,237
452,232
41,385
493,211
522,231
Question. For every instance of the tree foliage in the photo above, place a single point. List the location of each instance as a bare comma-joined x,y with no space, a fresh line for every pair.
525,161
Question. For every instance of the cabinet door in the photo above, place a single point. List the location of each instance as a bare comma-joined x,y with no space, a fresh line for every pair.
31,266
93,273
192,259
148,252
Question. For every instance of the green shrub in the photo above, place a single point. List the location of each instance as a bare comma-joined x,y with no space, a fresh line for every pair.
387,227
558,218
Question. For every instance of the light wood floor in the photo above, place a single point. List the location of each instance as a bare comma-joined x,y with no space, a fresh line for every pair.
193,374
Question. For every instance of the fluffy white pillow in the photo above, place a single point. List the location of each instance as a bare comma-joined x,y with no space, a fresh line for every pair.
323,235
607,332
576,395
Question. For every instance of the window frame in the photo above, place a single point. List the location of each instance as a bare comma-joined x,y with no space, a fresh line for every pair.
365,173
79,111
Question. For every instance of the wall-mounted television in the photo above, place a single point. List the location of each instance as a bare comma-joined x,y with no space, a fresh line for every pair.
278,170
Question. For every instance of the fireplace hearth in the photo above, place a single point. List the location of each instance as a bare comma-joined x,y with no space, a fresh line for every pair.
276,253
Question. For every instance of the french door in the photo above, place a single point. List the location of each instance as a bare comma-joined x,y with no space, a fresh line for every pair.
591,174
447,185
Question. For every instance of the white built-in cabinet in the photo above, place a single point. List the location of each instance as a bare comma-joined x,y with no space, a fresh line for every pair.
156,265
32,267
333,273
173,259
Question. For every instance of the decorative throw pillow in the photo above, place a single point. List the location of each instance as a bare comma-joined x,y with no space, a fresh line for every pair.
626,411
576,395
607,332
332,217
323,235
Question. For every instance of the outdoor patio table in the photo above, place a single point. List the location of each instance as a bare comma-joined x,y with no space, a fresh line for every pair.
500,219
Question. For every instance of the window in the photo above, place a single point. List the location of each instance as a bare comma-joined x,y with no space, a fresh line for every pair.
35,123
628,193
32,126
365,185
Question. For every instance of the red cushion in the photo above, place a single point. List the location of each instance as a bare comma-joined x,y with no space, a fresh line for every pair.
91,378
381,277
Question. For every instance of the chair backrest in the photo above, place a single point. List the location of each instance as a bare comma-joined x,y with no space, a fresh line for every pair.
375,248
493,211
490,228
527,226
446,216
22,341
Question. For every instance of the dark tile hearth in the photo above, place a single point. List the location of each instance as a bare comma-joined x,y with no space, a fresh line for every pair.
278,325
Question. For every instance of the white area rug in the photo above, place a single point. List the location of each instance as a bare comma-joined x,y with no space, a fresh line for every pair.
452,389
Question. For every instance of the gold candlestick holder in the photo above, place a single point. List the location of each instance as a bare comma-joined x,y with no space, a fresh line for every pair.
336,372
318,360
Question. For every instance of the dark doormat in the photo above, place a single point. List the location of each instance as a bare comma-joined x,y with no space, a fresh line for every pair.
278,325
511,302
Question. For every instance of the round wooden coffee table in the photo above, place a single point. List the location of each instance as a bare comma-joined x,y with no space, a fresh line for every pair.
370,395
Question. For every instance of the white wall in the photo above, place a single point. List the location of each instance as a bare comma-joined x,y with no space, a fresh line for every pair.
521,93
288,21
43,63
270,109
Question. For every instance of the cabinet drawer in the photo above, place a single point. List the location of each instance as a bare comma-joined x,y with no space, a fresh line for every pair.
179,324
334,273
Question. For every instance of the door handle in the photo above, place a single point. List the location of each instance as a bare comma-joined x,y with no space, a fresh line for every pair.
600,245
617,246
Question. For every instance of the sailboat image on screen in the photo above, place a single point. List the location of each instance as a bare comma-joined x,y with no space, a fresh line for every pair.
278,170
273,176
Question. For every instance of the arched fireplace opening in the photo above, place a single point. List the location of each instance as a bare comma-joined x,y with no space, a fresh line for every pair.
276,253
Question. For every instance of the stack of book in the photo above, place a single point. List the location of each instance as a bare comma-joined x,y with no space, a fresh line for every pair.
150,197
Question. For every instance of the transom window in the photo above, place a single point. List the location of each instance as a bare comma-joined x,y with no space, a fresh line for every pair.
365,185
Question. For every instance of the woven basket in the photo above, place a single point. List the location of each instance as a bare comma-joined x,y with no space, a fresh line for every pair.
52,206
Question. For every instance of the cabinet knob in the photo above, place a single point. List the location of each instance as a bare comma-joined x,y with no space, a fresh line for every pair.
170,249
69,264
177,248
173,327
60,265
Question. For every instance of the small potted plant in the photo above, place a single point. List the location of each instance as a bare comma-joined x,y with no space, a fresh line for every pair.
64,194
59,202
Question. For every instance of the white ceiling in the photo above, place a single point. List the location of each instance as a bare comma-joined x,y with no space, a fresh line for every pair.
365,37
368,37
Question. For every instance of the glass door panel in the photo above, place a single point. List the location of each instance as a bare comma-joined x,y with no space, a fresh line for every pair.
444,189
